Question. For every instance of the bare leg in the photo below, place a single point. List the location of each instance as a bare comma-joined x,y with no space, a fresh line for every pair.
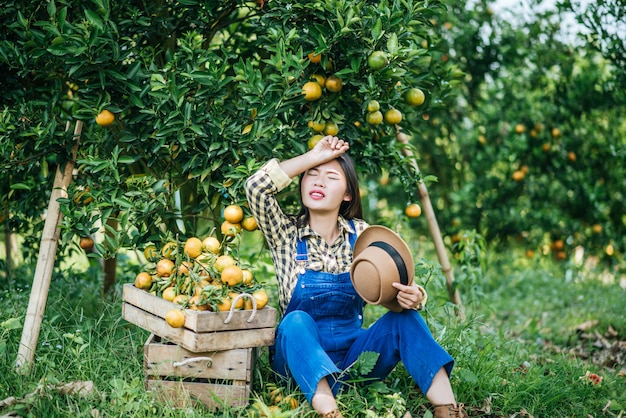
323,400
440,391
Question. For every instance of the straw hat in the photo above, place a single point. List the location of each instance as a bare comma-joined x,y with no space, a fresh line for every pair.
380,258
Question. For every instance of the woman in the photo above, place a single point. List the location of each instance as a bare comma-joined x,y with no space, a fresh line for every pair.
321,332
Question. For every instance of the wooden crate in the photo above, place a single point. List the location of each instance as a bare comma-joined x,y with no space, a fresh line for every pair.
181,378
203,331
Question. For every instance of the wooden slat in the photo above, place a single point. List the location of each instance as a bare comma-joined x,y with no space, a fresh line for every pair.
181,393
167,359
198,342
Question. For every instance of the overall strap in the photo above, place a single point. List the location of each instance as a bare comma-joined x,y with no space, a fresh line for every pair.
352,236
301,251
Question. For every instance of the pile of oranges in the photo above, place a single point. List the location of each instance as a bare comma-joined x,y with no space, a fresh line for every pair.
202,274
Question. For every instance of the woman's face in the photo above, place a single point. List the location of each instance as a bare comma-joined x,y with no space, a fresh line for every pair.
324,187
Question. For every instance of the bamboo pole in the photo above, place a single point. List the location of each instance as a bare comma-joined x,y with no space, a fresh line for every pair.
45,261
433,226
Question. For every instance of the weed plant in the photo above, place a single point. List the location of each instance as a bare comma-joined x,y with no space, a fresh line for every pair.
519,349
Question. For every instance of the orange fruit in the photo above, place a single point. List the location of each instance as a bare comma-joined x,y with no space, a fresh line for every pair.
169,250
261,298
312,91
143,280
239,303
321,80
225,304
518,175
317,126
374,118
413,210
150,252
315,58
165,267
597,228
312,142
230,229
195,303
86,243
247,276
249,223
184,268
571,156
546,147
556,133
175,318
520,129
233,213
393,116
223,261
212,245
232,275
291,402
331,128
373,106
414,97
193,247
105,118
558,244
180,299
377,60
334,84
169,293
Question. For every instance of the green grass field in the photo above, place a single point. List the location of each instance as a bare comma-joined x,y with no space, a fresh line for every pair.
534,335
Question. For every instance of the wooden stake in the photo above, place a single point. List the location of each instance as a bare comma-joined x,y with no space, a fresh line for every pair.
45,261
433,226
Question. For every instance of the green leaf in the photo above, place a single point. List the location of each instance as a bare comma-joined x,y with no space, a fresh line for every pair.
11,323
392,44
52,8
20,186
94,19
377,30
126,159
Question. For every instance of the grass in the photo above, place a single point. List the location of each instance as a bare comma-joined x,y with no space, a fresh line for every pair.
518,351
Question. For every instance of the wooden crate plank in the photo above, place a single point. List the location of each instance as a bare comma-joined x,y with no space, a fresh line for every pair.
181,393
226,340
167,359
198,342
200,321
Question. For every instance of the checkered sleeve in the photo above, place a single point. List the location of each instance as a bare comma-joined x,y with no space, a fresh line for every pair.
279,229
261,189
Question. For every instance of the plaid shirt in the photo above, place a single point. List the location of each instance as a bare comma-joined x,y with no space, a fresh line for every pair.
282,233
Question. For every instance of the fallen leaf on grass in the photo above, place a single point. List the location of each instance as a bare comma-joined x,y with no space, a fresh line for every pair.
587,325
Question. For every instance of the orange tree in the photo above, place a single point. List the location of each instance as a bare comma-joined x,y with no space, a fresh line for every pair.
533,151
196,95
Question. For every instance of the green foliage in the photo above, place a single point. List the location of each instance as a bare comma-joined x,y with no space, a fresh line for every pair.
202,94
517,350
533,147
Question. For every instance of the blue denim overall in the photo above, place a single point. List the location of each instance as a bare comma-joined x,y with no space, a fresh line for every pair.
321,335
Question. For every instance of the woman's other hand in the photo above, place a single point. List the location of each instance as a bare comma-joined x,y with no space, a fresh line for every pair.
410,297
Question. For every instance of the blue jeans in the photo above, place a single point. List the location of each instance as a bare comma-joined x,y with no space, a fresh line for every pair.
321,335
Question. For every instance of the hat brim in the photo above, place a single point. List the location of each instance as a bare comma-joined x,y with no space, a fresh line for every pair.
374,235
